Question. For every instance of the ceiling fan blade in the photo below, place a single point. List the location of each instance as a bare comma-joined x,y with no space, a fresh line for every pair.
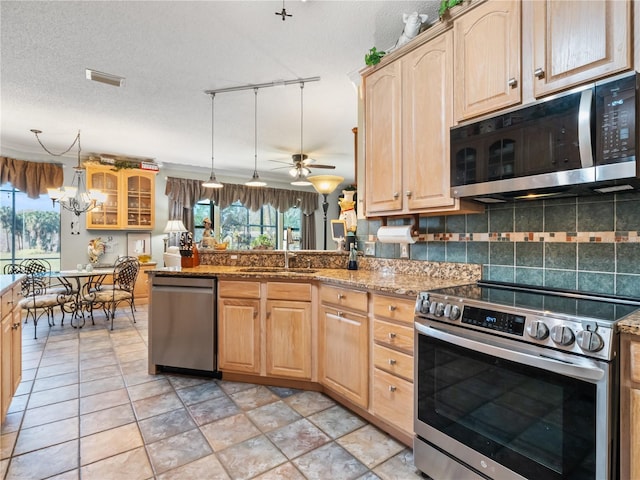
283,162
315,165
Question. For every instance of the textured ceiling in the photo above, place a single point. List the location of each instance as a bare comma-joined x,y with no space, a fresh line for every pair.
170,53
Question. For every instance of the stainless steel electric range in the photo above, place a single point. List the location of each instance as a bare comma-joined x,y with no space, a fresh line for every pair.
516,382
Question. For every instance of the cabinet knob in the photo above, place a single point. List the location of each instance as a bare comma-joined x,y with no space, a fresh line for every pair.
396,194
339,313
512,82
268,314
409,193
340,296
392,308
392,361
539,73
15,326
392,335
392,388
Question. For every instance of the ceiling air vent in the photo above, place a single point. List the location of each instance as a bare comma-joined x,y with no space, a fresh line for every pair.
102,77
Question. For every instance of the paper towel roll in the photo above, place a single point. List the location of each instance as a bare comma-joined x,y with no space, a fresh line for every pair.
396,234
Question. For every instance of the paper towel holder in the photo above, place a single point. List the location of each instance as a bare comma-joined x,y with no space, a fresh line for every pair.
415,225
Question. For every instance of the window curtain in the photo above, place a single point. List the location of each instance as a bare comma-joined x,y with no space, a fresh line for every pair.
33,178
184,193
308,240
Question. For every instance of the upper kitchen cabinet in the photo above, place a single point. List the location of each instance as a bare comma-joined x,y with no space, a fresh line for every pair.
130,198
576,42
408,113
487,58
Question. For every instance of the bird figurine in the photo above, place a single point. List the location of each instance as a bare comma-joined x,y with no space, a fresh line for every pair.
95,249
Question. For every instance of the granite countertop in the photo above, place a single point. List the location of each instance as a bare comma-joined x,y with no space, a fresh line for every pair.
6,281
630,324
375,280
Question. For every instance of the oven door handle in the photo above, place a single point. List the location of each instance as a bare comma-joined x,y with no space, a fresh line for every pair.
564,368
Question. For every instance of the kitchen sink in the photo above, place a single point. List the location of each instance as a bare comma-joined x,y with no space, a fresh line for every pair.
276,270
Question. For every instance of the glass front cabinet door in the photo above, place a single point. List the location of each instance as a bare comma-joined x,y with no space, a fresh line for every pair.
130,198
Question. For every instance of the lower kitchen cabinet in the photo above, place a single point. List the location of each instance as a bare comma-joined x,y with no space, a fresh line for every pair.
344,343
392,376
141,288
10,345
630,406
239,345
288,330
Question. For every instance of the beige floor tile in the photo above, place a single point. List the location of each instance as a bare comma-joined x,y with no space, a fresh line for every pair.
30,439
307,403
110,442
54,395
7,442
166,425
173,452
212,410
53,370
229,431
370,445
11,422
99,386
148,407
207,467
399,467
336,421
70,475
200,393
104,400
105,419
329,461
150,389
44,463
283,472
130,465
251,457
253,397
56,381
298,438
50,413
272,416
98,372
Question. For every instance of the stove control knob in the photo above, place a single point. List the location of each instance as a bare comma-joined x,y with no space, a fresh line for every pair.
424,308
589,341
538,330
455,312
439,311
562,335
433,307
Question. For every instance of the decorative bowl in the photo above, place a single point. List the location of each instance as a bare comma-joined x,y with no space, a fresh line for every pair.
220,246
144,258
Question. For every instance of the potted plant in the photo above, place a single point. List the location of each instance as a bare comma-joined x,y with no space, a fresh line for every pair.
445,5
262,242
373,57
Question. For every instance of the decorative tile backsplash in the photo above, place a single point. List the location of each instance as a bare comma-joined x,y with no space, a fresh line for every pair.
587,243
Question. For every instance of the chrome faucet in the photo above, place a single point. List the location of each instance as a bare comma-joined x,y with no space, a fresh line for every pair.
288,240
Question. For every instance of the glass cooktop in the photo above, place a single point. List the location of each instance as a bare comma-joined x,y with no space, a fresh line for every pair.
573,303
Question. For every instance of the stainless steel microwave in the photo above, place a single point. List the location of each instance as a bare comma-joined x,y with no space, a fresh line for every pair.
579,142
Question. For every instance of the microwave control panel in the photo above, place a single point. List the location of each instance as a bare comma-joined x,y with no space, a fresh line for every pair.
617,104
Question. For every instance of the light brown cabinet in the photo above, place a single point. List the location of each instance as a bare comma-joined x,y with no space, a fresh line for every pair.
577,42
130,198
393,343
141,288
239,345
10,345
408,113
288,330
487,51
343,343
630,406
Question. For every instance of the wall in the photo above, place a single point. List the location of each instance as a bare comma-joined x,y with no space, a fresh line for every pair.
587,243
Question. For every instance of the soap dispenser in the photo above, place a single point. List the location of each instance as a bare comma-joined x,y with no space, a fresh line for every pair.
353,258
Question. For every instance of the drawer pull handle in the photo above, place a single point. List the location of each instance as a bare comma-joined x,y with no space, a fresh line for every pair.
392,361
512,82
539,73
392,335
15,326
340,296
395,195
392,308
392,388
339,313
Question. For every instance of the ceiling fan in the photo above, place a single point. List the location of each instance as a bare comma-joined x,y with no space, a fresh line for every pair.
301,164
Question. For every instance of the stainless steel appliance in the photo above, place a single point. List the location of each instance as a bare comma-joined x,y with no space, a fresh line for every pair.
182,322
515,382
583,140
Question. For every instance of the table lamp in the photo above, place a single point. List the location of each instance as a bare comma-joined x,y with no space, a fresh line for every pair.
173,227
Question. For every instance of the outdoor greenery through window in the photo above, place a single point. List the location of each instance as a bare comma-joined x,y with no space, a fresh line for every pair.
244,229
30,228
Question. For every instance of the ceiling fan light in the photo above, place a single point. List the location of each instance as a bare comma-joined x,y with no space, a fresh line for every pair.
301,181
293,171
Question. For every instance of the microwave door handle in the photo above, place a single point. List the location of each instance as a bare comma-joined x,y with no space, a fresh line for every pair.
549,364
584,128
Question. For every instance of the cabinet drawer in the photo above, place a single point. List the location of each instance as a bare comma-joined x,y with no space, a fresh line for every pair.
393,335
299,292
392,361
400,309
634,368
344,297
9,300
239,289
393,399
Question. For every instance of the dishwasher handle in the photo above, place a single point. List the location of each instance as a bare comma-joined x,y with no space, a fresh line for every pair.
183,281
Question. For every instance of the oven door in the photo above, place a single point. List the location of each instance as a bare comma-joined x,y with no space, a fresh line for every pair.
506,411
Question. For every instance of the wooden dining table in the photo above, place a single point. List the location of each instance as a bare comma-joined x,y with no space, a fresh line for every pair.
75,281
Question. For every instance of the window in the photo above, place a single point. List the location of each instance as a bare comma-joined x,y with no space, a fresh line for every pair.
30,228
244,229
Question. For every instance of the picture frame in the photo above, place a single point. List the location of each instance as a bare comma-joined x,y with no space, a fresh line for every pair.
139,244
338,230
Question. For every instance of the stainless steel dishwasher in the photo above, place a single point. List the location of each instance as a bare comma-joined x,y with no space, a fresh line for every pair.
182,323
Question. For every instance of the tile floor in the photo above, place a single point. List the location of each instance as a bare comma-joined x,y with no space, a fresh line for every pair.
87,409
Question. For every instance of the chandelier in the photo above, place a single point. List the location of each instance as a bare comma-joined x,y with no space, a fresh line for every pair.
74,198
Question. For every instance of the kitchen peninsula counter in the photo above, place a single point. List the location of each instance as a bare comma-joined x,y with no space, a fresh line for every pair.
630,324
374,280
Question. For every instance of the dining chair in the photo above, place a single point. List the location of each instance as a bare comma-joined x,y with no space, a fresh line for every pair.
43,267
37,301
108,297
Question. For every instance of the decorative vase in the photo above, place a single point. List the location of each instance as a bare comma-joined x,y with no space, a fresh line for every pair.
348,210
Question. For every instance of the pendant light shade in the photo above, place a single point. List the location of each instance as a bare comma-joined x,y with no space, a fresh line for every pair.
255,179
212,182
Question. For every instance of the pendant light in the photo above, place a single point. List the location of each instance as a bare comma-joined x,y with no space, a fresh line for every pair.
255,179
301,173
212,182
